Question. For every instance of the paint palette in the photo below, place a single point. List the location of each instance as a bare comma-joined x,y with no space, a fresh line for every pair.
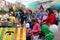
19,34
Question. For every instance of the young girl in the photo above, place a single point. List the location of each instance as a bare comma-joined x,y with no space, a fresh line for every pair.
36,29
28,32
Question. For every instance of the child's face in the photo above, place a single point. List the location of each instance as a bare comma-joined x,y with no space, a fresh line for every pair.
10,14
41,10
5,20
47,12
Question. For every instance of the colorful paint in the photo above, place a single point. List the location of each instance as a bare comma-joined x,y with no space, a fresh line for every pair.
19,34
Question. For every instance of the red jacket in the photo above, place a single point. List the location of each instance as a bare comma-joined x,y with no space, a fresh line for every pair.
51,19
36,29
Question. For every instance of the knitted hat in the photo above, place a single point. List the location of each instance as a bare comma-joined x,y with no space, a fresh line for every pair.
27,25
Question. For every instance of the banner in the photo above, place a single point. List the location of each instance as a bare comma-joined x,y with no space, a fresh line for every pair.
19,34
34,5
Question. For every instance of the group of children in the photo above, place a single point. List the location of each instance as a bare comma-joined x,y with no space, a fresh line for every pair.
34,33
7,20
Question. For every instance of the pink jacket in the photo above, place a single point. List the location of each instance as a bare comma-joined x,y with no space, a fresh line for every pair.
36,29
39,21
28,32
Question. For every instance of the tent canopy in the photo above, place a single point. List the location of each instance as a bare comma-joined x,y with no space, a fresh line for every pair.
56,7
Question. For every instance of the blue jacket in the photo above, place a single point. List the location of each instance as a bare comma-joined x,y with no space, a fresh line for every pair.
40,15
18,15
29,17
34,15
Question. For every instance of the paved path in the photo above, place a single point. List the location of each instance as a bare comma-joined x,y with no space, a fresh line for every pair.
57,34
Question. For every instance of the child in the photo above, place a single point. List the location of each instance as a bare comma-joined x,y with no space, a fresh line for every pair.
9,22
44,18
28,32
4,24
36,29
40,21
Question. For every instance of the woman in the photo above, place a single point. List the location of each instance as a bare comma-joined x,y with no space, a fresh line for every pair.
29,17
57,16
22,17
51,19
41,13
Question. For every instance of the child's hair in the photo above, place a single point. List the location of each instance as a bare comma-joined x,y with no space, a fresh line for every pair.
8,19
34,20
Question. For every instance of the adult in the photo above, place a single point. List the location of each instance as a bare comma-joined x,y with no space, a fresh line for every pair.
29,17
51,19
56,13
22,16
6,15
57,16
41,13
35,14
18,16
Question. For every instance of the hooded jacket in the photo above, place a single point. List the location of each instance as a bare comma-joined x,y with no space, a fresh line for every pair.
51,19
36,29
28,32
